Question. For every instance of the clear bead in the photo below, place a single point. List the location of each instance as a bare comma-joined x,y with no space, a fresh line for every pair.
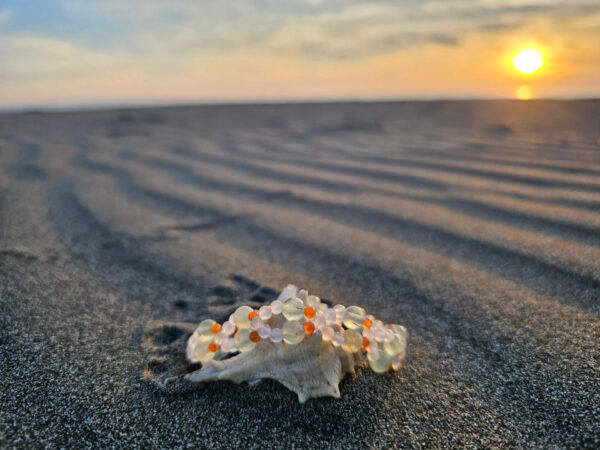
379,334
292,332
389,335
352,341
265,312
264,332
293,309
228,328
302,294
240,317
203,329
355,316
372,352
340,312
313,301
369,333
242,340
276,335
381,364
338,339
400,331
322,308
327,333
276,307
395,346
202,353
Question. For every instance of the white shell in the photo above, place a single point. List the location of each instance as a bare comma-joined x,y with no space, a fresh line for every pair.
312,368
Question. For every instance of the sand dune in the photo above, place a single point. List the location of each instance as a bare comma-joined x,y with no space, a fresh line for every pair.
476,224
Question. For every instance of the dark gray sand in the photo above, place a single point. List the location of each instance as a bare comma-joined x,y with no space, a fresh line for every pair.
475,224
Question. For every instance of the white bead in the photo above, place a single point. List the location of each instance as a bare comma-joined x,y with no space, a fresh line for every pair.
378,324
379,335
265,312
276,335
302,294
340,311
320,323
228,327
369,333
389,335
330,316
256,323
327,333
322,308
313,301
276,307
220,337
264,332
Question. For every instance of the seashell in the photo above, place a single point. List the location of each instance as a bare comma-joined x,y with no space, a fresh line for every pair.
309,354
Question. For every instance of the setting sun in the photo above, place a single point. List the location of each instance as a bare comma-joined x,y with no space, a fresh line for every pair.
528,61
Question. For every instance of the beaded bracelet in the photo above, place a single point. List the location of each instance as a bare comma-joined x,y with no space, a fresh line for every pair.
302,316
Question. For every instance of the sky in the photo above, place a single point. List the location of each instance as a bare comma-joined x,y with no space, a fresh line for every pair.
116,52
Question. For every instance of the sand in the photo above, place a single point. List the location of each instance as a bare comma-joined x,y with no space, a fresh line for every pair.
475,224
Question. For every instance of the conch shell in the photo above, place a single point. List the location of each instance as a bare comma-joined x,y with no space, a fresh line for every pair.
323,346
312,368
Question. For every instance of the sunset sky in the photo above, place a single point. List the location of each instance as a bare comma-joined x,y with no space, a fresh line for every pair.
97,52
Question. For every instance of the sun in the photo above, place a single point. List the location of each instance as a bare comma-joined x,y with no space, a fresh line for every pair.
528,61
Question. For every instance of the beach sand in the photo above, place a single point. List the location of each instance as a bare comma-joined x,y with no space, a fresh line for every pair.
474,224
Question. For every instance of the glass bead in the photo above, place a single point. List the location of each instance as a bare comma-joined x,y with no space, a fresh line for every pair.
242,340
379,334
254,336
202,353
309,328
340,312
338,339
276,307
369,333
228,328
330,316
352,341
292,332
240,317
265,312
220,337
322,308
204,330
264,332
215,328
400,331
309,312
368,322
320,322
327,333
256,323
276,335
381,364
355,316
228,346
213,347
293,309
313,301
395,346
373,352
302,294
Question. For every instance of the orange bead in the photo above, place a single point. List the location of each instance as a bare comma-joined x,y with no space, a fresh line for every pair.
390,326
254,337
234,332
213,347
215,328
367,323
366,343
309,328
252,315
309,312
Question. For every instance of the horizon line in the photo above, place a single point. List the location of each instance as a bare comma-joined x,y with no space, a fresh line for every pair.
110,106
